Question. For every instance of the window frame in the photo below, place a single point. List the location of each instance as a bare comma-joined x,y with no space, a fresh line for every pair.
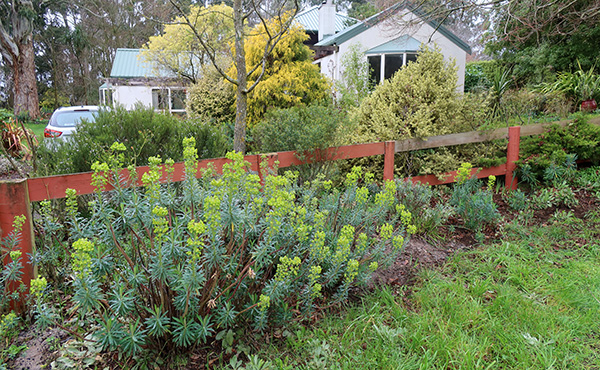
382,62
169,95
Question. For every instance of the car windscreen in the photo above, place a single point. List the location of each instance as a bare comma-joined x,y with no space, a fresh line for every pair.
73,118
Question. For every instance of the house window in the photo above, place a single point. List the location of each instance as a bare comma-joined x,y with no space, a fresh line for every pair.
177,100
160,99
393,62
106,97
383,66
170,100
375,69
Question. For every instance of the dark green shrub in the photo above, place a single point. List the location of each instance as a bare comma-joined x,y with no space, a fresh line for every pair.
143,131
315,126
550,155
304,129
478,75
159,269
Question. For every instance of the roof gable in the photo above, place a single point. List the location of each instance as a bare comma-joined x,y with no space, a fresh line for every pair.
309,19
401,44
128,63
360,27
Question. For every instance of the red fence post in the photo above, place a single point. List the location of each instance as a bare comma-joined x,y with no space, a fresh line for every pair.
14,201
389,151
512,156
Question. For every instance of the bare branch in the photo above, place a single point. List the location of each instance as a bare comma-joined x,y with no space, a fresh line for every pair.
209,51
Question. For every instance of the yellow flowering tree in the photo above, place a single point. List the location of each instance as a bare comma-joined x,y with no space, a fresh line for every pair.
179,50
289,79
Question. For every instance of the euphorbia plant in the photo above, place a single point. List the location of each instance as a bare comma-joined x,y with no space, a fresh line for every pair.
168,265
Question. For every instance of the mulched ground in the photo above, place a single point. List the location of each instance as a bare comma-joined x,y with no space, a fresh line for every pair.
8,172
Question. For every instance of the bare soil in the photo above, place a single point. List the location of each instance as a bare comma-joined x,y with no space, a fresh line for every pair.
42,348
8,172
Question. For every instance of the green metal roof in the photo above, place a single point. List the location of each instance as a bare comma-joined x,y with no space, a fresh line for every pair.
360,27
128,63
401,44
309,19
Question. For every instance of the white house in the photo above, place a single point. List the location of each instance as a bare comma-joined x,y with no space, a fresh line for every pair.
134,81
390,39
310,20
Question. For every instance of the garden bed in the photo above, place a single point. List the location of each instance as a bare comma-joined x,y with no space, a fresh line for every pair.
420,253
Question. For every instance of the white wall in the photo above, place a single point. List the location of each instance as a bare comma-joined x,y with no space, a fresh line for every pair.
129,96
390,30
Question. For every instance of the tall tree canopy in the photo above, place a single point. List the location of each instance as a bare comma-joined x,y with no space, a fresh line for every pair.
77,42
288,77
177,49
276,16
541,37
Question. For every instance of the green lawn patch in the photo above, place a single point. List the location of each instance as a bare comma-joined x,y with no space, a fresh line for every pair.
37,128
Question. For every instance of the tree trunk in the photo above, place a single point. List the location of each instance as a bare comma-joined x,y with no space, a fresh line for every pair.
241,110
25,83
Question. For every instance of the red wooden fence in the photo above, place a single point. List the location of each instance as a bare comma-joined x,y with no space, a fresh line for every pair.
16,196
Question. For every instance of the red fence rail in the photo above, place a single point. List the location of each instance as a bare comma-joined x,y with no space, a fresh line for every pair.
16,196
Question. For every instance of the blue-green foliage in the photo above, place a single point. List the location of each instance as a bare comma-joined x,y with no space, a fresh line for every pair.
167,265
475,205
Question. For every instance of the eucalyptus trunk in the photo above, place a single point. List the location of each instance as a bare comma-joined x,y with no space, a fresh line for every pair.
16,48
25,82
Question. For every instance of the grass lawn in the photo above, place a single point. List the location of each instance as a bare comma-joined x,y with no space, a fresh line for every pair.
528,301
37,128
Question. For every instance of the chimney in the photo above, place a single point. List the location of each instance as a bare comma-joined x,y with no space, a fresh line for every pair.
326,19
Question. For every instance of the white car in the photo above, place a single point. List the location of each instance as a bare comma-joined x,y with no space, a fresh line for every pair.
64,120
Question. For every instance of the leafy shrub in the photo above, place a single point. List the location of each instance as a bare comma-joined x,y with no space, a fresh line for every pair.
522,105
160,268
418,201
53,99
580,85
211,98
143,131
558,104
421,100
475,205
551,155
305,129
478,75
315,126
